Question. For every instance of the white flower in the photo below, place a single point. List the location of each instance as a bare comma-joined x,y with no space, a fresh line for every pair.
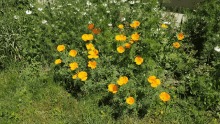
53,8
123,19
28,12
123,0
40,9
217,48
59,6
31,5
84,13
69,4
166,22
44,21
134,10
16,17
109,24
131,2
108,11
77,9
104,4
100,19
137,1
52,25
90,22
74,12
88,3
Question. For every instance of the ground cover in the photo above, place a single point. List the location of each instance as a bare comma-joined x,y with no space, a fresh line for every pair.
111,67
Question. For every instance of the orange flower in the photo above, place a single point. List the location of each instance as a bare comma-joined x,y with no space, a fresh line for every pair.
93,54
58,61
96,31
60,48
82,75
92,64
75,76
91,26
120,26
112,88
131,91
89,46
122,80
164,26
164,96
73,65
120,49
127,45
176,45
73,53
181,36
135,36
130,100
131,41
132,25
138,60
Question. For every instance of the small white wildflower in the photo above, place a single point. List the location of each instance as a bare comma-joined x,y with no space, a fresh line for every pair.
84,13
90,22
217,48
69,4
88,3
104,4
31,5
109,24
115,1
100,19
53,8
16,17
40,9
108,11
134,10
44,21
77,9
28,12
123,0
123,19
59,6
166,22
137,1
131,2
74,12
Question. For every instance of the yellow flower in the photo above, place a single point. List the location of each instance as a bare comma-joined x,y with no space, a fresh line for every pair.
130,100
82,75
164,96
139,60
92,64
120,38
136,23
86,37
164,26
93,54
73,65
89,46
73,53
132,25
122,80
75,76
127,45
112,88
151,79
58,61
120,49
161,112
120,26
155,83
181,36
176,45
61,47
135,36
131,41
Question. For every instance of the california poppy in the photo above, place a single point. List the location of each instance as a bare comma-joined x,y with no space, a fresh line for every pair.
91,26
